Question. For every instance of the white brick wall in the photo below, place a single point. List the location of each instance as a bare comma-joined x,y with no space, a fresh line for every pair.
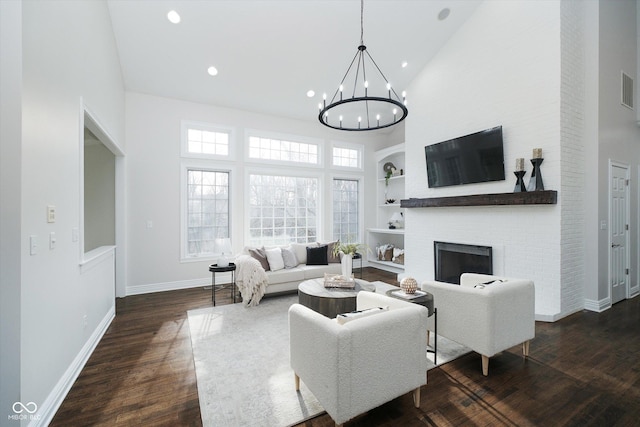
502,68
572,155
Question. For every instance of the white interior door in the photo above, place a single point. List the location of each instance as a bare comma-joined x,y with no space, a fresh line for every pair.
619,232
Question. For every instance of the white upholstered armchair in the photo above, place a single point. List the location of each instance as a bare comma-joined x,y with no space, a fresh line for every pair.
486,313
359,365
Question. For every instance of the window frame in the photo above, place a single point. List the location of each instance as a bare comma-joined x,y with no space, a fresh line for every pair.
185,125
319,143
350,146
185,167
294,173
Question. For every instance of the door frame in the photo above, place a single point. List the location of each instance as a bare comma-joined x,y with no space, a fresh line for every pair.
627,168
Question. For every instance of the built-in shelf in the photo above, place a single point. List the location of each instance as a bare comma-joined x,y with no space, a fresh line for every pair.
386,230
545,197
388,264
391,178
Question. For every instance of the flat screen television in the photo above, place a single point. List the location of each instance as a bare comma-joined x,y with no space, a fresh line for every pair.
478,157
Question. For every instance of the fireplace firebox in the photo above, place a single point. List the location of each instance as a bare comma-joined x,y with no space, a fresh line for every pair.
453,259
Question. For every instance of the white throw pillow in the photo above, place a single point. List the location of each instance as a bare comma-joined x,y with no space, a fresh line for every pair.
300,249
348,317
274,256
289,257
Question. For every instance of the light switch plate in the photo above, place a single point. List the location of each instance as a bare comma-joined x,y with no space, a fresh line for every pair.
51,213
33,244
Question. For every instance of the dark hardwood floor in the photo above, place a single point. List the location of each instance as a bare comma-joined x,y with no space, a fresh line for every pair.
583,370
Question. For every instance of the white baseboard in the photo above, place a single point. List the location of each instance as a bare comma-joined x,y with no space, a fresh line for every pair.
52,403
597,305
221,278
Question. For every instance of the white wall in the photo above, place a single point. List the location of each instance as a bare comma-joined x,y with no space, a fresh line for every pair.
69,54
153,182
618,132
501,68
10,188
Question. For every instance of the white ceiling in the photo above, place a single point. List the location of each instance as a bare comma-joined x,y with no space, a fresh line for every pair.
269,53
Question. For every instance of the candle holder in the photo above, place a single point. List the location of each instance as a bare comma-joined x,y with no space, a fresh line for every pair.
535,182
520,187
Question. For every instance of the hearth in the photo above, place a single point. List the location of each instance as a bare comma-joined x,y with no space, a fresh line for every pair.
453,259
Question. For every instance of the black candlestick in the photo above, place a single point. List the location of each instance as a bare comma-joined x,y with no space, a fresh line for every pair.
535,182
520,187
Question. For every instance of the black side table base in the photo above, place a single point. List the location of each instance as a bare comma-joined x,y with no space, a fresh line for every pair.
213,268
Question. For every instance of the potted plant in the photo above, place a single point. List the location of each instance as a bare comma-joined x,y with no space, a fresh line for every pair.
347,248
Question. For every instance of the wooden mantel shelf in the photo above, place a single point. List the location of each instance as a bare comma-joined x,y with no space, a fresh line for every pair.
546,197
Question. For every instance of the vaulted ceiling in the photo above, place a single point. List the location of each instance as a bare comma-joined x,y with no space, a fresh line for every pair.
270,53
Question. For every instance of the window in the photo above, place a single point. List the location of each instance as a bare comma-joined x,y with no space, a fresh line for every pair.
205,140
346,157
207,210
345,210
282,209
283,151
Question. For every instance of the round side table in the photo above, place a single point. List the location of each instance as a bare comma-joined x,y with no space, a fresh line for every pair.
213,268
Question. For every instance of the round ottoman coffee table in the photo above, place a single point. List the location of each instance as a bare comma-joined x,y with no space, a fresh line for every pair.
331,301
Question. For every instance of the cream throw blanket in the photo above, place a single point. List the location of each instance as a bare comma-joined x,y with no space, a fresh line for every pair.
251,280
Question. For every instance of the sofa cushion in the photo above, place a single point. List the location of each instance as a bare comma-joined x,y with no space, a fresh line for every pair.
261,256
316,271
274,256
295,274
289,257
317,255
300,249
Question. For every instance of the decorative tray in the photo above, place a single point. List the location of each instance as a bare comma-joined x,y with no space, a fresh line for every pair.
338,281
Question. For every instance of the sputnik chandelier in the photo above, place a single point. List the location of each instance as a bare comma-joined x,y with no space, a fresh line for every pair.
372,103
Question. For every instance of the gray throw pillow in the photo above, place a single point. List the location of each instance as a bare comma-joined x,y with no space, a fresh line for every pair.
260,255
331,258
289,258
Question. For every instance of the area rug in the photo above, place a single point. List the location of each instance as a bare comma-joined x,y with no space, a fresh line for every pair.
241,357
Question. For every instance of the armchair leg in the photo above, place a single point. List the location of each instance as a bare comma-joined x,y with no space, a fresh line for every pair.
485,365
525,348
416,397
297,381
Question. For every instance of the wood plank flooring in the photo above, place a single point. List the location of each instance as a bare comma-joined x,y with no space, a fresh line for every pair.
583,370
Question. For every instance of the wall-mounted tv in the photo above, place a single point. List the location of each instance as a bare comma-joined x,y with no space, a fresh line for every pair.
478,157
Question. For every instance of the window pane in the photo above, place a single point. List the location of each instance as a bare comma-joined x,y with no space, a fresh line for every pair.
207,142
345,210
346,157
278,209
281,150
207,210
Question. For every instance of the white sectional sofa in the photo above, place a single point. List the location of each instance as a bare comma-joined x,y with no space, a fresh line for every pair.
287,279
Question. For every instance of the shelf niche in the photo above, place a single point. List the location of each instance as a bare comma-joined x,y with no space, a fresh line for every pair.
545,197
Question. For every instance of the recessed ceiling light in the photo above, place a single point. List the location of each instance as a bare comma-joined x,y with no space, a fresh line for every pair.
444,13
213,71
310,93
173,17
404,64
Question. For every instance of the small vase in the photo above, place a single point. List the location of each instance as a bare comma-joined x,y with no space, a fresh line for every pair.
347,265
